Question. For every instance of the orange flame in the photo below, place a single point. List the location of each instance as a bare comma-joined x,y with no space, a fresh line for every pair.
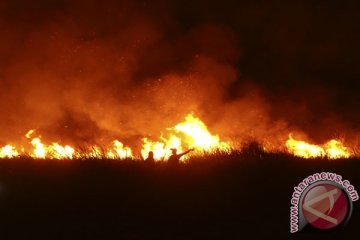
333,149
191,133
39,149
194,135
304,149
119,151
8,152
161,150
336,149
198,135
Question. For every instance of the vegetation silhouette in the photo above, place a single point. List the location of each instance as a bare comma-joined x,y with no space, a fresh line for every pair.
218,195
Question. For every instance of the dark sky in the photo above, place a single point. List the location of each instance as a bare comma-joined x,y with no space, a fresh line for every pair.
302,56
297,50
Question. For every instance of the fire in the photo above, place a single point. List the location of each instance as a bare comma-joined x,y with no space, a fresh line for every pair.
161,150
336,149
333,149
29,133
59,152
198,135
53,151
119,151
191,133
8,152
304,149
194,134
94,152
39,149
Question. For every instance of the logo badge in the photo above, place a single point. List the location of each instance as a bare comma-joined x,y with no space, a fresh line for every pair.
322,201
326,206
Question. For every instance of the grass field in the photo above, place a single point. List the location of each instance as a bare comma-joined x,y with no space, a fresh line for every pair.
237,196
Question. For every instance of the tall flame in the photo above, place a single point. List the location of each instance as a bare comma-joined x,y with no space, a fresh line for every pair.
199,136
193,134
119,151
39,149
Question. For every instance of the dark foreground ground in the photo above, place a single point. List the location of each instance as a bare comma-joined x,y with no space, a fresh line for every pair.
236,197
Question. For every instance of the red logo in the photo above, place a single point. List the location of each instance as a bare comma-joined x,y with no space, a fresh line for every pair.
325,206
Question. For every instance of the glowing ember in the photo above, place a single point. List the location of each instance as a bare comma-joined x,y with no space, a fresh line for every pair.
29,133
332,149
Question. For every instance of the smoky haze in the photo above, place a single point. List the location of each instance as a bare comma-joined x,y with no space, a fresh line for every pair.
92,71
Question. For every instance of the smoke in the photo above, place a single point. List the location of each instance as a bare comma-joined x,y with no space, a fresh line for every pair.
91,71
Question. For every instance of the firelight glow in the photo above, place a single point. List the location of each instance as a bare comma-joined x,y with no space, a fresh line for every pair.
333,149
190,133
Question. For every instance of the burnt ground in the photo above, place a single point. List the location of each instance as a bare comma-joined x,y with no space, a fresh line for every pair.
216,197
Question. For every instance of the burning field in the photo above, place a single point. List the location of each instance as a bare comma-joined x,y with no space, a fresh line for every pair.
191,133
95,81
91,89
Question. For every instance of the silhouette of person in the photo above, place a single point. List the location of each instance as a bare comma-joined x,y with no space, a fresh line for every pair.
175,158
150,158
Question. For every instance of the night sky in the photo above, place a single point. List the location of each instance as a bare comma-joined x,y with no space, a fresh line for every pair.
301,52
